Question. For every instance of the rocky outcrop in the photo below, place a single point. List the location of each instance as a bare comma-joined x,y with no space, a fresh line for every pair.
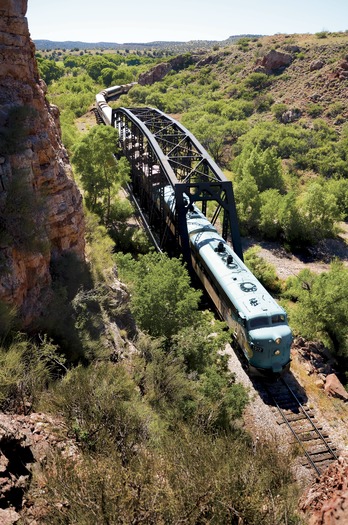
341,70
41,212
273,62
334,388
161,70
155,74
26,442
291,115
326,501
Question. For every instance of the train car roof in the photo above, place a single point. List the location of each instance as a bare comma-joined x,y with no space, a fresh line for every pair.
239,284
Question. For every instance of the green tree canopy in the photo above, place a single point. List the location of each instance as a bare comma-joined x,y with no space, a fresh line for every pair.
101,174
162,299
49,70
264,167
248,203
321,310
320,212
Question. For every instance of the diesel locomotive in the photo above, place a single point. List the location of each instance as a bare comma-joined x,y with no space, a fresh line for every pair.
257,322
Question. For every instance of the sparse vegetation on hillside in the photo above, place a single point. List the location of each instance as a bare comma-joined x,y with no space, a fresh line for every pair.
159,428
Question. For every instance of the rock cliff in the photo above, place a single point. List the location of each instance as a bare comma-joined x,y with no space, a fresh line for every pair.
326,501
41,213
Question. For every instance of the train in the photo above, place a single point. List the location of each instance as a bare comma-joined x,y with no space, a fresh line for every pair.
257,322
103,109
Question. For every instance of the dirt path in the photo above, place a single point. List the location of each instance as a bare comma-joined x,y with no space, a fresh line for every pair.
317,259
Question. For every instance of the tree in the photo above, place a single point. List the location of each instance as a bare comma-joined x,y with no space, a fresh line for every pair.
49,70
162,299
292,222
265,168
320,212
269,215
199,344
321,310
101,174
248,203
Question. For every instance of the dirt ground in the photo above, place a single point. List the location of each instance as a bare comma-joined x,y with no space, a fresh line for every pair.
317,259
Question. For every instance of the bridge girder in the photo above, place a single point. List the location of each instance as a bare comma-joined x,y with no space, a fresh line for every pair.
162,152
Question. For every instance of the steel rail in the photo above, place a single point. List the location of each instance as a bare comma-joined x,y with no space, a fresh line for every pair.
304,411
294,432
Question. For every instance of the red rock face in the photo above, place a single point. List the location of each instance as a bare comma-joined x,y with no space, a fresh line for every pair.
41,212
326,501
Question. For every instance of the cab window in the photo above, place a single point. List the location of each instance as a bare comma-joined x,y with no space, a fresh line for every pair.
258,322
278,319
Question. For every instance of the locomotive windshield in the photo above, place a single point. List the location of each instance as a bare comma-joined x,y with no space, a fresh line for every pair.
259,322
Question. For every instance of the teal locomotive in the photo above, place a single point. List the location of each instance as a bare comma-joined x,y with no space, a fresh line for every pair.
258,324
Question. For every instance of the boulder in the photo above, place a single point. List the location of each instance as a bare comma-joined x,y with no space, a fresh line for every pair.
316,64
274,61
334,387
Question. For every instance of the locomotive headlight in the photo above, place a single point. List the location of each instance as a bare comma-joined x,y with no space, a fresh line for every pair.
278,340
277,352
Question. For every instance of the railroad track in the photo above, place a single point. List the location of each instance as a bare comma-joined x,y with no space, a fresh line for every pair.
306,431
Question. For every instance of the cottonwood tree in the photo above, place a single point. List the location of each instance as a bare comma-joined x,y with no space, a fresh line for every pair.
162,299
101,173
321,310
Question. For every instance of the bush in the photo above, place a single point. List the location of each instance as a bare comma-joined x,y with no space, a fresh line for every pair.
162,298
257,81
321,311
314,110
278,110
26,368
188,478
102,407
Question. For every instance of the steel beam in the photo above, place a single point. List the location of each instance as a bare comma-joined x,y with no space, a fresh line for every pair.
163,152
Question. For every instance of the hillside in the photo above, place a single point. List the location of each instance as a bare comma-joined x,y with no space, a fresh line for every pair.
179,47
120,402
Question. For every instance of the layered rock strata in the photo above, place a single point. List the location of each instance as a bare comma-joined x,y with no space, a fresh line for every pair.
41,213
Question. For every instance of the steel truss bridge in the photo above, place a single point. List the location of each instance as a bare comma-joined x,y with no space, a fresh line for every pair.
162,152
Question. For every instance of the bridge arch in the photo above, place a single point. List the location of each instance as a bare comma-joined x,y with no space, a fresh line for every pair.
162,152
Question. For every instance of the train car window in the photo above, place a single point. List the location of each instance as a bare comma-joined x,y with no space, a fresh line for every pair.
276,319
258,322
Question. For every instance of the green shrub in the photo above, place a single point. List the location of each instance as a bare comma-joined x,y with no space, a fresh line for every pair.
162,298
102,407
26,368
257,81
321,311
314,110
188,478
335,109
278,110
